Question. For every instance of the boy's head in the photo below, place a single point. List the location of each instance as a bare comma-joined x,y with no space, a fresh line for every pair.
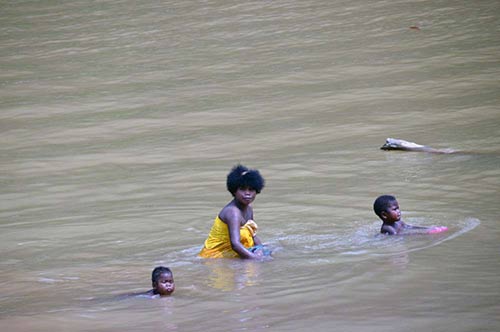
243,177
382,204
163,281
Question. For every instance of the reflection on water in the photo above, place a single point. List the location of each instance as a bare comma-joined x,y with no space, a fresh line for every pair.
231,275
119,121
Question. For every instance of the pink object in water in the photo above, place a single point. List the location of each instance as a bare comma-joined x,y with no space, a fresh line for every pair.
439,229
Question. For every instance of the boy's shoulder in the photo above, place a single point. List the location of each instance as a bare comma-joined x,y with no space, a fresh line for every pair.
388,229
149,293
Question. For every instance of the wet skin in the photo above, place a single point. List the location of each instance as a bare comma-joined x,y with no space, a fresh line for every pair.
392,219
244,196
165,285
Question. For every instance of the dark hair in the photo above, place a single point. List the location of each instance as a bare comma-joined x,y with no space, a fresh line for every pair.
382,203
158,271
243,177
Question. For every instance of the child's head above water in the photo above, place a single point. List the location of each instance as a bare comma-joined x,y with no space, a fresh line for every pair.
243,177
383,204
163,281
386,207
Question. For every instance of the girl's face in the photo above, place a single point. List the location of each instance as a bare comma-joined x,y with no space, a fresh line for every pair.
245,196
392,214
165,284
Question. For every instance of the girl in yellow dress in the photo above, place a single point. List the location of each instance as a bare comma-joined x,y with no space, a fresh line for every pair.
233,233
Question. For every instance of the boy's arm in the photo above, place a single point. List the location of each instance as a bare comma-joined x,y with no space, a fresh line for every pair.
408,226
429,229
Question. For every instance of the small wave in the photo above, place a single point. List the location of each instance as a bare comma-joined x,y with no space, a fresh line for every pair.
425,241
366,241
354,244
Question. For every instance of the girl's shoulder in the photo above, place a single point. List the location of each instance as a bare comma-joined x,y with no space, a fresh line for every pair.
229,210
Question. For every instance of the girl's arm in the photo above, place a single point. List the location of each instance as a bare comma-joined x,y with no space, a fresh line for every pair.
256,240
232,219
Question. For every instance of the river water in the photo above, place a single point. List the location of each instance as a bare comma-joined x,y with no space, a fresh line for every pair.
120,119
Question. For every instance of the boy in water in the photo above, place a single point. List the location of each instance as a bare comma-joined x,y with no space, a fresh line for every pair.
386,207
163,282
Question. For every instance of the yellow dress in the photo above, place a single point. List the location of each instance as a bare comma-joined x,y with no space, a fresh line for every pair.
218,243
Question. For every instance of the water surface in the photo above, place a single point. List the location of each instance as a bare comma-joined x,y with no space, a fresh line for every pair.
120,120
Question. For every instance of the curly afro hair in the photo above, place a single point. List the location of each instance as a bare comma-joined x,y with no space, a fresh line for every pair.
243,177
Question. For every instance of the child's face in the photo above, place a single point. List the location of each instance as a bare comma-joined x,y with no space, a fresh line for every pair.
392,213
165,284
245,195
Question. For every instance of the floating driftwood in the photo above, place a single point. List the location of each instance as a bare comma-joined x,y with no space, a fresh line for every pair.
400,144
